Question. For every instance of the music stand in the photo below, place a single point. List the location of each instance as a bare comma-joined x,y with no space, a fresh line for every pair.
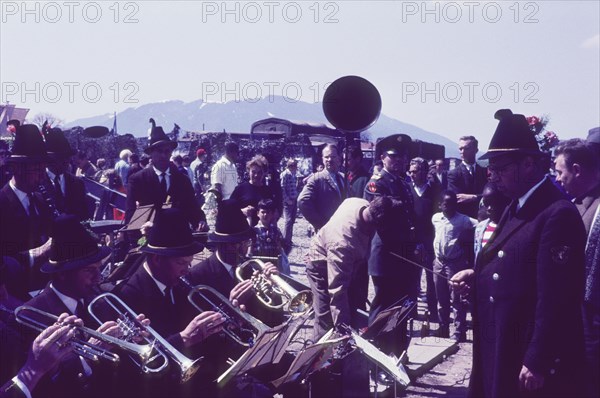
268,349
389,319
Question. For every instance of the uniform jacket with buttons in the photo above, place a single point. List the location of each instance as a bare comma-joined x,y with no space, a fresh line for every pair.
527,297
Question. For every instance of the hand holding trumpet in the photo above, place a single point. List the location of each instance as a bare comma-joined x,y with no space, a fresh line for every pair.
202,326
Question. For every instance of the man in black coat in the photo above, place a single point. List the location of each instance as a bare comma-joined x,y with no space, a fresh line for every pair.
527,284
162,181
468,178
25,218
61,189
393,278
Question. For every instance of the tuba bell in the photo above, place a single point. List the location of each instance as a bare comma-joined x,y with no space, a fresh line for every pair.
272,290
241,327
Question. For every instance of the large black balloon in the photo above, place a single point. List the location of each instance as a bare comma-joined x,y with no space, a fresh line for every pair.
96,131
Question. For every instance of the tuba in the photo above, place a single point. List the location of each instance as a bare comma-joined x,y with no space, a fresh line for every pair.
39,320
272,290
243,328
162,352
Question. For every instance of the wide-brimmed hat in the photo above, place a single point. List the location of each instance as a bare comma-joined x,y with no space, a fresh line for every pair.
593,139
57,145
72,246
512,135
231,226
394,144
170,235
28,145
158,138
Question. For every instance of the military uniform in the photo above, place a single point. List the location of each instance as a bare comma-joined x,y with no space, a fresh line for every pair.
393,278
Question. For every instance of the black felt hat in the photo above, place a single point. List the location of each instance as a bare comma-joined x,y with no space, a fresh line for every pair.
231,226
72,246
593,139
512,135
170,235
28,145
57,145
158,138
13,122
393,145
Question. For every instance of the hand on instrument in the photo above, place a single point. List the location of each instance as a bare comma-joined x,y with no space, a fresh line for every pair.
110,328
52,346
461,281
270,269
202,326
241,293
530,381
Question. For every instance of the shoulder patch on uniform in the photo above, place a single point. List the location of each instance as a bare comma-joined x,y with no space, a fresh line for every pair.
372,187
560,254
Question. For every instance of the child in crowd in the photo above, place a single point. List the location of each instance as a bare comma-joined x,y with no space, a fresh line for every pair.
268,240
453,252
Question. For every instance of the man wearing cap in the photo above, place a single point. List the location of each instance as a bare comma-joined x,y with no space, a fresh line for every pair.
468,178
527,283
12,126
74,265
233,237
161,181
25,216
577,168
63,191
324,191
224,175
393,278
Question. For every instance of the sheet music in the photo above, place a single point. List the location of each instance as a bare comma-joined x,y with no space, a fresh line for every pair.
385,362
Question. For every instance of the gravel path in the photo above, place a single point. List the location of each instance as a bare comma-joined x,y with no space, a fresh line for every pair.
450,378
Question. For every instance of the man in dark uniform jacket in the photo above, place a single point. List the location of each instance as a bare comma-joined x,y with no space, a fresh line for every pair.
25,218
61,188
392,277
153,185
468,178
74,264
527,283
156,291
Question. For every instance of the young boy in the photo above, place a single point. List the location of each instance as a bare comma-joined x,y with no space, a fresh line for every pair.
453,232
494,203
268,240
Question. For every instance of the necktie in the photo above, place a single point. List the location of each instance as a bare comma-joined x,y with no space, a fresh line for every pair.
163,183
31,208
340,184
592,259
57,186
169,295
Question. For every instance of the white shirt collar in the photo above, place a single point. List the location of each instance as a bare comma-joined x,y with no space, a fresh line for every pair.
69,302
524,198
159,173
161,286
228,267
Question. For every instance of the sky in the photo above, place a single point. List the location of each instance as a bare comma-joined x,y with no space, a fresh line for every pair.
443,66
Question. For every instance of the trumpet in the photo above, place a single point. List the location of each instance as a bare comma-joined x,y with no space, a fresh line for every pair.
272,290
39,320
243,328
161,352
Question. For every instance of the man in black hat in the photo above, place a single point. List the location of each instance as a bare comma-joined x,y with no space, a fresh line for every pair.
233,238
393,278
527,283
161,181
26,218
65,192
468,178
74,265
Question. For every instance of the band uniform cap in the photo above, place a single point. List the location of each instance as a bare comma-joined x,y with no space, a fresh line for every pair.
158,138
200,152
28,145
57,145
231,225
13,122
394,145
512,135
72,247
170,235
594,136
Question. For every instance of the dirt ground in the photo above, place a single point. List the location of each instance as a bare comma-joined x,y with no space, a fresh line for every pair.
450,378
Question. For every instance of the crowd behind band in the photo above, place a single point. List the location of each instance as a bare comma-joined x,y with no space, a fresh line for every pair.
388,222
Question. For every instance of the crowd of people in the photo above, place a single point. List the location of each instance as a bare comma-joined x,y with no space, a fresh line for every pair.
512,237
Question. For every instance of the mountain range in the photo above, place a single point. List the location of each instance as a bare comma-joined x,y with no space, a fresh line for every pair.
238,117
